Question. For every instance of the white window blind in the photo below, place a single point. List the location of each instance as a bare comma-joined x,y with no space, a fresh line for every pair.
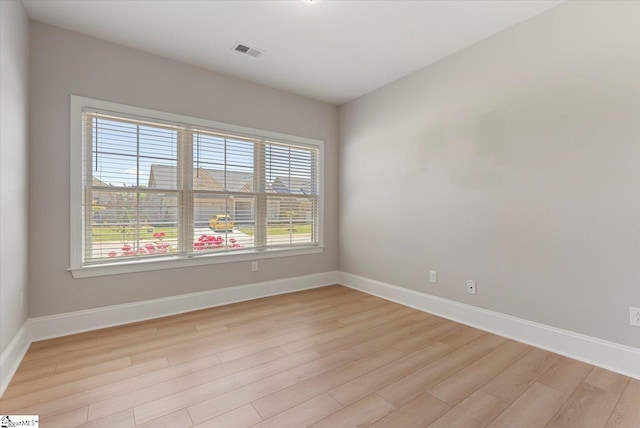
157,189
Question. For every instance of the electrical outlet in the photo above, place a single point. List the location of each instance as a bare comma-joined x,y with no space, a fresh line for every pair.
254,266
471,287
433,276
635,316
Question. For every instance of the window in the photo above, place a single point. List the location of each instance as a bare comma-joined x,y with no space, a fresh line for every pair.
153,187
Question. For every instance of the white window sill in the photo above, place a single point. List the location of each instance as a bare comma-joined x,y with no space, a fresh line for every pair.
180,262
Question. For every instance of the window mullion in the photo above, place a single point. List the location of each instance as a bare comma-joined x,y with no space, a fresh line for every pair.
136,233
260,238
185,183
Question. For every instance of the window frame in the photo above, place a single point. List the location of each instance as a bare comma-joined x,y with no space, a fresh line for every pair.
79,164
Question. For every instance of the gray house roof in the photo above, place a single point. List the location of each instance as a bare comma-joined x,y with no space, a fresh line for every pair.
165,176
235,181
97,182
292,185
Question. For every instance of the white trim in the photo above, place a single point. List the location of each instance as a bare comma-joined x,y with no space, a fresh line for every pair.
179,262
79,104
608,355
49,327
76,179
92,319
12,356
612,356
182,120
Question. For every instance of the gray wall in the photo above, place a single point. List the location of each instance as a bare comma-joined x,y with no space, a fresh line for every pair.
14,57
64,63
515,162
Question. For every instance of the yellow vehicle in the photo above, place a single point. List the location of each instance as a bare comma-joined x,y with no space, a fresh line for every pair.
221,222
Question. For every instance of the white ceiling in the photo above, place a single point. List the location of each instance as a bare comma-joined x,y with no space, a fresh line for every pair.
333,51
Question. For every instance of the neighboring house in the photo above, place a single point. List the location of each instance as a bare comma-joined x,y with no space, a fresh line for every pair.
240,208
115,206
102,202
298,208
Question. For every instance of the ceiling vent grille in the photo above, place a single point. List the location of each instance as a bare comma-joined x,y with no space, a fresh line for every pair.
247,50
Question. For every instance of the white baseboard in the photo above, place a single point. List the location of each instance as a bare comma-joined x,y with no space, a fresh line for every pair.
12,356
608,355
92,319
611,356
77,322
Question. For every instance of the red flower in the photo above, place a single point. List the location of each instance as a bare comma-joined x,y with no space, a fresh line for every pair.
126,248
112,254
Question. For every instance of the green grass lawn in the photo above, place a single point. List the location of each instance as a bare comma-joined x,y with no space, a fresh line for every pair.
109,233
279,229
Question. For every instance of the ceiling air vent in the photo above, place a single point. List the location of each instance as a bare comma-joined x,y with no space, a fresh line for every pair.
248,50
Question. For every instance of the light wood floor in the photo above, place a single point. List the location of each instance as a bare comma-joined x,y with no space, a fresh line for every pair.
329,357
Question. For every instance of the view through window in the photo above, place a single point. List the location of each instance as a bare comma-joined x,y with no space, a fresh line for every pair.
158,189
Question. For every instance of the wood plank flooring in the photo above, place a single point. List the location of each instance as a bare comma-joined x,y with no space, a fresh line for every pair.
328,357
